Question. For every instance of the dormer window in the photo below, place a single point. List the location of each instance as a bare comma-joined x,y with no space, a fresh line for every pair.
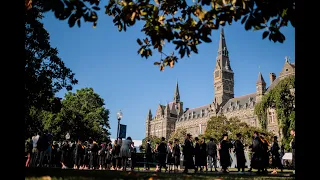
202,112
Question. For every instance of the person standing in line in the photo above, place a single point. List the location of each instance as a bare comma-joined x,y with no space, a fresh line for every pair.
125,152
276,161
212,154
148,154
176,154
133,156
197,155
257,154
188,151
239,150
203,155
293,147
225,148
162,154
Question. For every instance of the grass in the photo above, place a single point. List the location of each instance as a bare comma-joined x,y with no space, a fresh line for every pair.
70,174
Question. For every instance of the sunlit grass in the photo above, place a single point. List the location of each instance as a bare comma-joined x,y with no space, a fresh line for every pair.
70,174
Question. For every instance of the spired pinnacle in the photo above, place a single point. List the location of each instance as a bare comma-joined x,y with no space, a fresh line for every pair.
222,50
260,79
176,96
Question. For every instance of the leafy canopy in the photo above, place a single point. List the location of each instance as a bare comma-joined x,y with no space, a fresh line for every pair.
82,115
153,141
282,99
45,73
179,134
218,125
183,23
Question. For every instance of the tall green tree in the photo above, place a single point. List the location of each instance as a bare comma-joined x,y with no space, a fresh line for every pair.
45,73
218,125
282,99
82,115
179,134
153,141
184,23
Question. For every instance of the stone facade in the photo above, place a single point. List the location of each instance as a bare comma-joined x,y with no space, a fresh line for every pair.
170,117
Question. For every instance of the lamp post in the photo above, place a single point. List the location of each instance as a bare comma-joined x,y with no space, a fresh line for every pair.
119,116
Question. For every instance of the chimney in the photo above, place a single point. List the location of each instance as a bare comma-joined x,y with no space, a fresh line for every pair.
272,77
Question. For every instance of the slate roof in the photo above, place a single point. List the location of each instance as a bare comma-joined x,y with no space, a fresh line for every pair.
273,84
240,102
195,113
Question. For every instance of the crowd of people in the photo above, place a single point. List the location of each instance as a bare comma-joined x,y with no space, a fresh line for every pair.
43,152
197,154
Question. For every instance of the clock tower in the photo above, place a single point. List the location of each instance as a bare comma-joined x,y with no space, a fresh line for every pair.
223,76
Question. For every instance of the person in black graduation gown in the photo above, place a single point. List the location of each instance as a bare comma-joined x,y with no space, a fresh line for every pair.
257,154
197,155
102,153
239,150
133,156
225,159
162,154
203,154
65,154
148,154
276,161
188,154
176,154
93,154
78,154
293,147
265,151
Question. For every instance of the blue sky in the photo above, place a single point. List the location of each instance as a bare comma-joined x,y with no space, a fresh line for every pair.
107,61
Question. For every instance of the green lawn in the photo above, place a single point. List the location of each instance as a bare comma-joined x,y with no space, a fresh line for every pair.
69,174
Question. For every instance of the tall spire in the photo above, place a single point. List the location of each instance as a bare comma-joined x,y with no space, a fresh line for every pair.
176,96
260,79
223,50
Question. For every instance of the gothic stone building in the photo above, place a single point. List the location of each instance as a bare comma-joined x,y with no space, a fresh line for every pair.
172,116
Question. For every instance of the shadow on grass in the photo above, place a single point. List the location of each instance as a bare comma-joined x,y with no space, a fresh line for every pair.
70,174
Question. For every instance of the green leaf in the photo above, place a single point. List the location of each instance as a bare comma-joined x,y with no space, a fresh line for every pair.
265,34
156,63
139,42
247,25
72,20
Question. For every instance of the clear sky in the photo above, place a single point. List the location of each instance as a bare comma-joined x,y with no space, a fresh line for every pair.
107,61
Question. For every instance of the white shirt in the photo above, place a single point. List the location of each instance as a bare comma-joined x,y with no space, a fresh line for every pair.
35,140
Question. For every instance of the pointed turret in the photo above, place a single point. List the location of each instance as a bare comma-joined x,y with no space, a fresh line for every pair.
260,79
150,113
176,97
148,119
261,87
223,50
